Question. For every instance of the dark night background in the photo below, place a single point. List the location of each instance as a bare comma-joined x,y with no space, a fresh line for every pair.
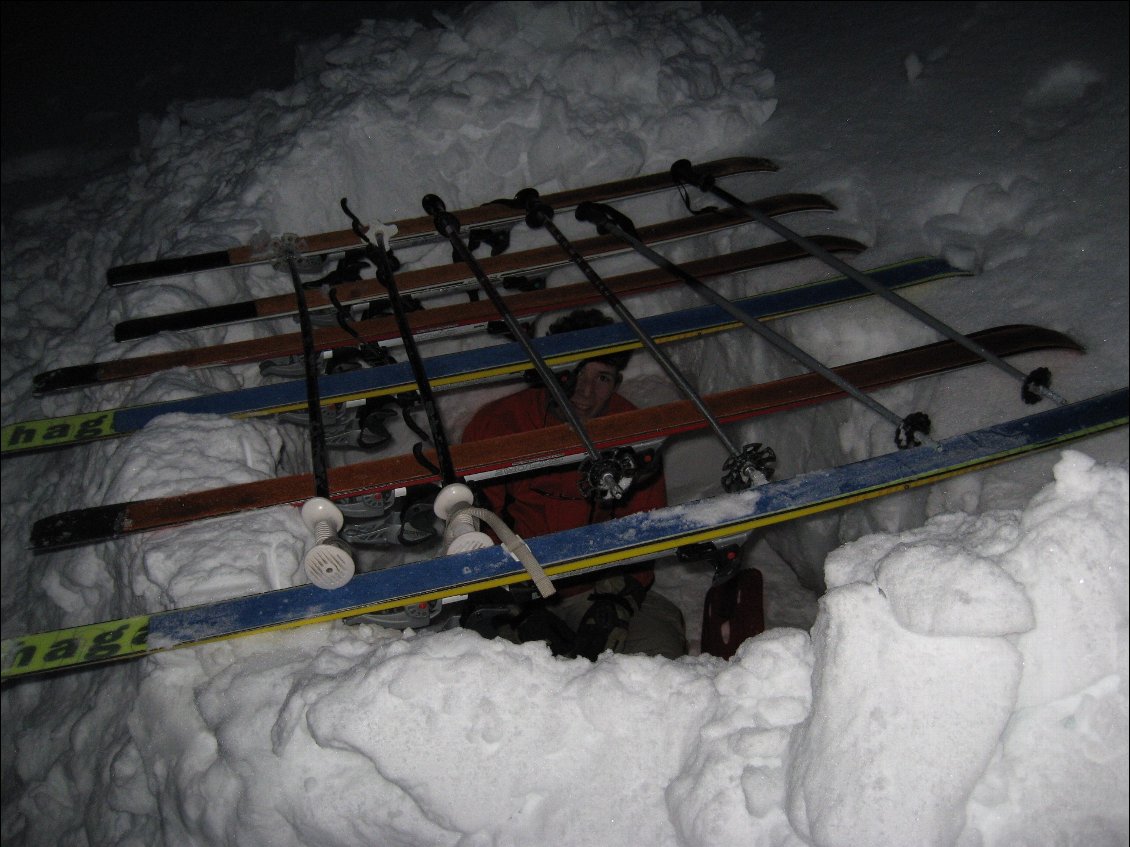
78,75
81,73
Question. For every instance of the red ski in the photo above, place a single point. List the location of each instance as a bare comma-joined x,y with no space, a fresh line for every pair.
540,448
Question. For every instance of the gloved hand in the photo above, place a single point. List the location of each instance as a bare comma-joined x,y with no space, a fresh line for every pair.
605,624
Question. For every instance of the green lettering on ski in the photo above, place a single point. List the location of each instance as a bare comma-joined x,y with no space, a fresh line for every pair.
34,435
82,645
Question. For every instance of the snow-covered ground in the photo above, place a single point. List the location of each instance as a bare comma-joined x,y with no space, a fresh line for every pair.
964,678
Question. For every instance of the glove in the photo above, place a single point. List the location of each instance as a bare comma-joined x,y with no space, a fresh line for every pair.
605,624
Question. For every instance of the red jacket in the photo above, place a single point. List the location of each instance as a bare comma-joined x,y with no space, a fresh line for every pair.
537,504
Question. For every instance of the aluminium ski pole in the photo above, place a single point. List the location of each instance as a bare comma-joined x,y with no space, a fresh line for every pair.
605,476
746,467
1033,385
378,255
454,504
908,430
329,563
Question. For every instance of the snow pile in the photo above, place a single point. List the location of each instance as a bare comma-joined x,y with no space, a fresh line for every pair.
964,682
929,711
970,631
510,98
365,120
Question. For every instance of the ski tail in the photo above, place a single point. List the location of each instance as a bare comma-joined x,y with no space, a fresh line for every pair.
141,271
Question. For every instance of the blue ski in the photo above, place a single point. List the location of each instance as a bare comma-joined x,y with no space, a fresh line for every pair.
616,542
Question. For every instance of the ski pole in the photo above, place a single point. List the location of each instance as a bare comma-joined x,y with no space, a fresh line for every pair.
907,430
746,467
453,503
1033,385
606,476
329,563
378,255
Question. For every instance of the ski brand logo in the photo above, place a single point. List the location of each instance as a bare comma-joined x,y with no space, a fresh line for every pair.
32,435
94,643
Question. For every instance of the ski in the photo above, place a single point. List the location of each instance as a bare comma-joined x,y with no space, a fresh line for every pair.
442,279
526,451
419,230
602,545
455,368
1033,385
425,323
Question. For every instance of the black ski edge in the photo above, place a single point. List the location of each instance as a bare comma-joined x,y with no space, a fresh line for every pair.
142,271
135,328
71,529
66,378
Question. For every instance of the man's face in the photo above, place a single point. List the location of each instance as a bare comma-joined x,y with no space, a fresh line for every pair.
596,383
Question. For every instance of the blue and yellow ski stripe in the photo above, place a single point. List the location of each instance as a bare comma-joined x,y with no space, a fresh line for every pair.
639,536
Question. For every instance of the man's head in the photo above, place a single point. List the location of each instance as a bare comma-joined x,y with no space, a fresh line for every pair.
593,382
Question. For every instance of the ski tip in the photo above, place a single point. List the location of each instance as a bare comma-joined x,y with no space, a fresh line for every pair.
137,328
739,164
142,271
816,203
81,526
63,379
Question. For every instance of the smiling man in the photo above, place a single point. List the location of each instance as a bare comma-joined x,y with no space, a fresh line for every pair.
617,612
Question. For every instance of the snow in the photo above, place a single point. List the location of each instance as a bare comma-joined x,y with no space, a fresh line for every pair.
948,666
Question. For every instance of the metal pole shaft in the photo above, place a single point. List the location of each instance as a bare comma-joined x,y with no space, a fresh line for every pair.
818,252
435,423
313,396
448,226
622,312
773,337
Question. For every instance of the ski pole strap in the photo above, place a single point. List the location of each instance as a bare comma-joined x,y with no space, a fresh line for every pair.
418,453
348,270
410,422
374,354
1032,387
